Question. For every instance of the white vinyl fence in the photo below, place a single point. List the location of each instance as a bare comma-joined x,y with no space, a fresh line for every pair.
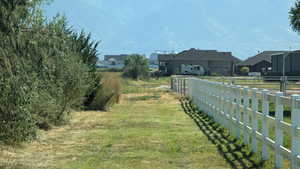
237,109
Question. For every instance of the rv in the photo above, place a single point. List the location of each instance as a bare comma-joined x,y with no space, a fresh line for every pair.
192,70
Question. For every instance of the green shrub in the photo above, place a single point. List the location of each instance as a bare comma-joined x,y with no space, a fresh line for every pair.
216,74
107,91
110,69
245,70
17,123
46,70
136,67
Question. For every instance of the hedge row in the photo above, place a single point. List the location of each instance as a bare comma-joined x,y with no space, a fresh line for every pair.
46,71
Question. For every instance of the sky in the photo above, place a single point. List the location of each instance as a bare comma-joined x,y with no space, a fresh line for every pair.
243,27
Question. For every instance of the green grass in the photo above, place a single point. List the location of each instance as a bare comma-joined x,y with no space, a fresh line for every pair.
144,86
253,83
148,130
234,151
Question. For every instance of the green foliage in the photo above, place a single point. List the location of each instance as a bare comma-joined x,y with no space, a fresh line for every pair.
87,48
245,70
216,74
295,17
110,69
43,75
136,67
16,122
107,91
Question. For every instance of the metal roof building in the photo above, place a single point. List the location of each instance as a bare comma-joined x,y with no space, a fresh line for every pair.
260,62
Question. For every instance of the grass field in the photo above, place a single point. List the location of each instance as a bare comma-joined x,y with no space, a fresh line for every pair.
149,129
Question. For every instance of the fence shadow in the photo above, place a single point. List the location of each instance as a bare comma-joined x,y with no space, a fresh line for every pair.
235,153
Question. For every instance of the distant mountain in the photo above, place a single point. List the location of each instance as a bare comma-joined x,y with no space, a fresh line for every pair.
142,26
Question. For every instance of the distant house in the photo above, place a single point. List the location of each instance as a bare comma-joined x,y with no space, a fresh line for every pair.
153,59
115,59
292,64
212,61
259,63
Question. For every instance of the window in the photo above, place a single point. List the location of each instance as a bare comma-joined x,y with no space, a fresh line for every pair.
162,63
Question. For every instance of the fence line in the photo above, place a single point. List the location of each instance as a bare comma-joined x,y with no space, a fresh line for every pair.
237,108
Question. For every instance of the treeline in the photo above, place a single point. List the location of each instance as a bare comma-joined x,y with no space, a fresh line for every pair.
46,70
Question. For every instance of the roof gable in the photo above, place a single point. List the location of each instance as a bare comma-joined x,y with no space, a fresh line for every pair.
264,56
196,54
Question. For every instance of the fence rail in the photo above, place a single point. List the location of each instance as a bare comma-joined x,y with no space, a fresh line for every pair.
245,111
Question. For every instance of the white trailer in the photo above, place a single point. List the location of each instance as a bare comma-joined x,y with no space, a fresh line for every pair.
188,69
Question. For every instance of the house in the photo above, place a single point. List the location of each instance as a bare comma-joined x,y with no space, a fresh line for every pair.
292,64
258,64
115,59
153,59
212,61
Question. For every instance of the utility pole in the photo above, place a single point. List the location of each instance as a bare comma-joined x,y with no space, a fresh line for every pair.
283,78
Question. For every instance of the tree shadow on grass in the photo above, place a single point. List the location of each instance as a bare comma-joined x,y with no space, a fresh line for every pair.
235,153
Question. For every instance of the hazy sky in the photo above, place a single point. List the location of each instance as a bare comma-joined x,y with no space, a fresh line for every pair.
243,27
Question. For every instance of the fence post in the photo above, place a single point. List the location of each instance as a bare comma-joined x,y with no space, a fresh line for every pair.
220,105
217,102
279,132
208,100
207,97
212,100
223,105
184,86
226,97
204,92
246,115
265,129
295,126
254,104
231,109
171,83
238,110
178,85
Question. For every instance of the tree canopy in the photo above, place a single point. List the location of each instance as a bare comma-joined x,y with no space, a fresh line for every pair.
47,69
136,67
294,16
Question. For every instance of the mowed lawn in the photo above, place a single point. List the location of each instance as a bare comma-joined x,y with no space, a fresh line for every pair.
147,130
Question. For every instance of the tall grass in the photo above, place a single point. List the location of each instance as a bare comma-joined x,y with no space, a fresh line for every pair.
107,91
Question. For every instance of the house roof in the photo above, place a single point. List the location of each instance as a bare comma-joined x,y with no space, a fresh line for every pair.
196,55
263,56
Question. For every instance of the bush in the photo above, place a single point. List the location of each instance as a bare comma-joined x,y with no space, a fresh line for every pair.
107,91
245,70
136,67
17,123
43,75
110,69
216,74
